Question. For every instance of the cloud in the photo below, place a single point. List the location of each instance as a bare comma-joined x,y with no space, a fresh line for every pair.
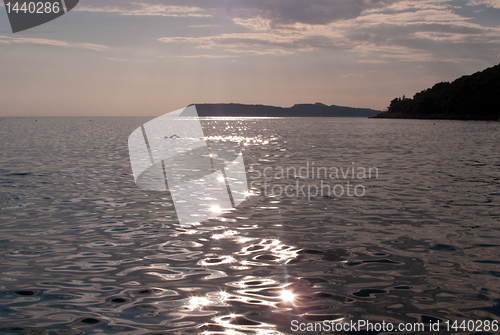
257,42
372,61
409,30
208,56
143,8
408,5
375,29
90,46
56,43
277,11
487,3
315,12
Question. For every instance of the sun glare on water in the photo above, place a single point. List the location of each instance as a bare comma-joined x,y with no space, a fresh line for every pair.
287,296
215,209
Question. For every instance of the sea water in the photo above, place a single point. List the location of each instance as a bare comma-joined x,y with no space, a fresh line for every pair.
84,250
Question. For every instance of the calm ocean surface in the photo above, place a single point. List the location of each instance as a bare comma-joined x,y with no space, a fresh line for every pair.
84,251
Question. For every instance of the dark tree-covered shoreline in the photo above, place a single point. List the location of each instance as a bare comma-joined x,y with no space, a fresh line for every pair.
474,97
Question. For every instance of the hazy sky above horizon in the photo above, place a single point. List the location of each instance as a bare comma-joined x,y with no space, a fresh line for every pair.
150,57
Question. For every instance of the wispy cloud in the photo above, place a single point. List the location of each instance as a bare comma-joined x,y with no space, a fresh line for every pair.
378,30
116,59
372,61
143,8
208,56
56,43
277,11
408,30
487,3
254,43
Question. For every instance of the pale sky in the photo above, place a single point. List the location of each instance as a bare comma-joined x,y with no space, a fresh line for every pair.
138,57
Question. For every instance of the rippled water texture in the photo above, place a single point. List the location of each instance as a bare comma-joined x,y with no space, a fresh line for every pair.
83,250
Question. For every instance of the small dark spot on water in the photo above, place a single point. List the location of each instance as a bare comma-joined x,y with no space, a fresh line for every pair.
383,261
329,197
242,321
402,287
212,328
335,255
493,309
255,247
90,321
267,257
365,293
26,292
295,260
487,262
118,300
213,260
443,247
313,252
254,282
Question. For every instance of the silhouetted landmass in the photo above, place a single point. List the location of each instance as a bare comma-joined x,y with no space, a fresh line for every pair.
474,97
299,110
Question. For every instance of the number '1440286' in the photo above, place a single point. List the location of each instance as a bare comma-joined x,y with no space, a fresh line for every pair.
33,7
472,325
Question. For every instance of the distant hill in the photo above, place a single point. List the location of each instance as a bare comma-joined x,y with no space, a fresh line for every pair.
299,110
474,97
